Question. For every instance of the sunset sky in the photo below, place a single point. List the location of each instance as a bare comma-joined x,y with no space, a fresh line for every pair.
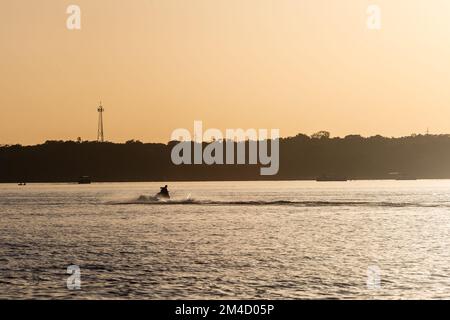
158,65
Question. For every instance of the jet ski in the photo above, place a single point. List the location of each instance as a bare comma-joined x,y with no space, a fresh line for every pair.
160,195
163,194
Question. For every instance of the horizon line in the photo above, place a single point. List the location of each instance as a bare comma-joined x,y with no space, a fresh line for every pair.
413,135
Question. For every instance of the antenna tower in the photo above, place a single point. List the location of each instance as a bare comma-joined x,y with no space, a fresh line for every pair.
100,136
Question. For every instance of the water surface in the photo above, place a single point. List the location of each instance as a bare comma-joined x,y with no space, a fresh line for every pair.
227,240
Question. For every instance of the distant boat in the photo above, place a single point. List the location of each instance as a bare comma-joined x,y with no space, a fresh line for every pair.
328,178
84,180
405,177
402,176
22,184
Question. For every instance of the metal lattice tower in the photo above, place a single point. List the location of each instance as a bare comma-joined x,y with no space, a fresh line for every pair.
100,137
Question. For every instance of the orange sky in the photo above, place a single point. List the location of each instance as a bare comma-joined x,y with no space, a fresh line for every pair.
158,65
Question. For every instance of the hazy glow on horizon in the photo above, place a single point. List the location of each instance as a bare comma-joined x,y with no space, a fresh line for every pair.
157,65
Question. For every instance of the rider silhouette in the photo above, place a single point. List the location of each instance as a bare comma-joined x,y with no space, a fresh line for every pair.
164,190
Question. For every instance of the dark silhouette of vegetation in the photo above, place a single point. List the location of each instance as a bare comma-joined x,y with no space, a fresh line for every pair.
301,157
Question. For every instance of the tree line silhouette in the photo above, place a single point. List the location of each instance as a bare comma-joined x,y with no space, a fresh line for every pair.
301,157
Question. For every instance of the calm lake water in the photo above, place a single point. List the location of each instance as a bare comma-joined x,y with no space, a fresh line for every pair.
227,240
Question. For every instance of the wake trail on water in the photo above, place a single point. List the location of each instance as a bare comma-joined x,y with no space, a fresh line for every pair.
149,200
